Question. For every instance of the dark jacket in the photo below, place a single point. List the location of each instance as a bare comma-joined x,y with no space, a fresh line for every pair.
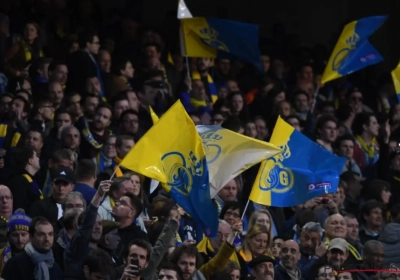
390,239
281,273
24,195
305,264
20,267
46,208
127,234
78,249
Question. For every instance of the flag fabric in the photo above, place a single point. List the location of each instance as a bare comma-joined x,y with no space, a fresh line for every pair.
154,116
183,11
214,37
396,80
302,171
353,51
229,154
153,183
178,161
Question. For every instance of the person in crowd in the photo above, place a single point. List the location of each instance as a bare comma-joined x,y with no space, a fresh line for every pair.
327,131
345,148
228,192
85,178
335,227
170,271
324,272
18,236
87,235
390,240
127,208
353,229
37,258
287,267
70,223
311,247
6,209
22,185
50,207
262,267
119,187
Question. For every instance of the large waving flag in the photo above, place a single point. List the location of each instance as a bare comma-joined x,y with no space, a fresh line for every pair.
178,161
396,80
353,51
214,37
302,171
229,154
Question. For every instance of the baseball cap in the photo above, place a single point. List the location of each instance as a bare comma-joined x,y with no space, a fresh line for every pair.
338,243
62,174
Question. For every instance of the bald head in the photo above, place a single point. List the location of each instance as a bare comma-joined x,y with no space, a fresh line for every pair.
6,201
290,254
335,227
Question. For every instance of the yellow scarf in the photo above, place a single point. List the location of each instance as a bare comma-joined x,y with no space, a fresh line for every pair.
112,202
371,149
197,103
247,256
205,247
118,172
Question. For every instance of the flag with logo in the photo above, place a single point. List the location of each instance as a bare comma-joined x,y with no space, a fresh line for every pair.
220,38
302,171
177,161
229,154
353,51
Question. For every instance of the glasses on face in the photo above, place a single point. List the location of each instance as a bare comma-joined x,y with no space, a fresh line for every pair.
6,197
233,214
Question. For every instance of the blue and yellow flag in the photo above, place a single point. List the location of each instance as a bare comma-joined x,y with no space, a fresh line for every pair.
302,171
229,154
178,161
353,51
214,37
396,80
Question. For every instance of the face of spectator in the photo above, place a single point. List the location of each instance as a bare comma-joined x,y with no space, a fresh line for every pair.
43,238
105,61
229,191
130,123
60,74
102,118
30,32
56,93
93,46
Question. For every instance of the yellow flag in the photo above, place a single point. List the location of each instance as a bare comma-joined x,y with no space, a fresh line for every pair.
167,158
396,80
154,116
192,38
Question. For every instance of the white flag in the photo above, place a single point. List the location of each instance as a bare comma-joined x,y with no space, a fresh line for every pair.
229,153
153,185
183,11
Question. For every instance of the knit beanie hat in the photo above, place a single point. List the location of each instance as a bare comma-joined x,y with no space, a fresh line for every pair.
18,221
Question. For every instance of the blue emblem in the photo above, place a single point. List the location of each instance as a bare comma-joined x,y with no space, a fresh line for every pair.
181,170
210,141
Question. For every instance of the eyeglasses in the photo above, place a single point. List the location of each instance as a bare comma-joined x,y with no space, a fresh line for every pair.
123,203
6,197
233,214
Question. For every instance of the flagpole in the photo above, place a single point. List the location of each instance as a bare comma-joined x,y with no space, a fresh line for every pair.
187,67
315,99
113,174
245,208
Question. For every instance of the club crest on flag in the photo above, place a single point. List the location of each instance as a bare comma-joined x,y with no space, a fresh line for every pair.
275,177
211,147
210,37
180,176
351,44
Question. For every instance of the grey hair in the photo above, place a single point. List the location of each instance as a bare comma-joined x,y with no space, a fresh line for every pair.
223,222
70,218
73,195
312,226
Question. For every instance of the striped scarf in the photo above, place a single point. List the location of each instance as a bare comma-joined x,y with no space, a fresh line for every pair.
210,84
